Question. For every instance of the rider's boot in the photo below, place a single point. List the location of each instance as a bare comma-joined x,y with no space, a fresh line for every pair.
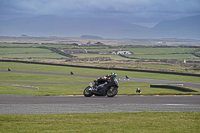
95,85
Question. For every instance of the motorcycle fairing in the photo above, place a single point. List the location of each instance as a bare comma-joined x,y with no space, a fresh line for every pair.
102,92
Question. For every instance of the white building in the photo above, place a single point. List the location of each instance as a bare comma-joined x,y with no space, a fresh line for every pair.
121,52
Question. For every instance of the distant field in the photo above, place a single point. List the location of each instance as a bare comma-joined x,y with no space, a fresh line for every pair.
154,56
28,52
198,52
165,56
35,55
142,65
149,50
161,50
139,52
34,45
115,57
17,45
23,50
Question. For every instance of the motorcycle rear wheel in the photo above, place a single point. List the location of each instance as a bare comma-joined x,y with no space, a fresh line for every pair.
87,92
112,92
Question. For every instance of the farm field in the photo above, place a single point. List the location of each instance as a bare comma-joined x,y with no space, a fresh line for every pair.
166,58
147,50
114,57
35,56
138,52
23,50
157,66
161,50
28,53
25,45
152,56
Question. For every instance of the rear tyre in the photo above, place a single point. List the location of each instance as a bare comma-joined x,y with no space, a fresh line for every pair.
87,92
112,91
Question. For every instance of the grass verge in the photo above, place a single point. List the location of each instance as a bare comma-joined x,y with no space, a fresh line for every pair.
125,88
145,122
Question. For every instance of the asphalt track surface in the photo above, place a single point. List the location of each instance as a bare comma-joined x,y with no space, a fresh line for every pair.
21,104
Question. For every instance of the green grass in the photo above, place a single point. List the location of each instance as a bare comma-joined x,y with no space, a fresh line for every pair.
28,52
77,89
34,45
18,45
147,50
137,122
40,78
23,50
115,57
76,70
44,89
144,66
35,55
157,66
125,88
136,51
161,50
129,88
146,122
154,56
165,56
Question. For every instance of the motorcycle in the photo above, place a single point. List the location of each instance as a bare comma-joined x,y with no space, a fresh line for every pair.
108,87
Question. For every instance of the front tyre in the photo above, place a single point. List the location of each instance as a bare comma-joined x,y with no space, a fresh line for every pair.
112,91
87,92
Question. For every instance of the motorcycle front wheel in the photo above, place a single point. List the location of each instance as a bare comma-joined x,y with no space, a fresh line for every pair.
112,91
87,92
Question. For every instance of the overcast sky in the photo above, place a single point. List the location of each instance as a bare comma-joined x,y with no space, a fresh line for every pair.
143,12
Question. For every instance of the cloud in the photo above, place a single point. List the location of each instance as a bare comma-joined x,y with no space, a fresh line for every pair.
120,9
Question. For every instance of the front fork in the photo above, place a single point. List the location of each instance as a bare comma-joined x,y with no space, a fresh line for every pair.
111,88
91,86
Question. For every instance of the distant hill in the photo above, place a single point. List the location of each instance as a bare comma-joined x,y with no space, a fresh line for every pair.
183,24
51,25
188,27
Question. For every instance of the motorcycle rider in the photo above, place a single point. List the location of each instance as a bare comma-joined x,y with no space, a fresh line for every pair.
113,75
101,80
138,90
